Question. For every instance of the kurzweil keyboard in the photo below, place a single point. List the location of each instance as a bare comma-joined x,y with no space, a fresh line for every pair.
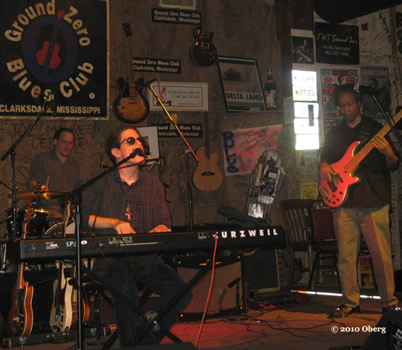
122,245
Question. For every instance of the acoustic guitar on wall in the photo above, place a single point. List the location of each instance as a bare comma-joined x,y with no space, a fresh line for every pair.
130,106
207,176
203,52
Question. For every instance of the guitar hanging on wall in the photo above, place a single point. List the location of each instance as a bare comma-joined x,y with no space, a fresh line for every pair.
130,106
203,52
207,176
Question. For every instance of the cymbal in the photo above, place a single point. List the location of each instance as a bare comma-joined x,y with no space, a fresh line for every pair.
39,195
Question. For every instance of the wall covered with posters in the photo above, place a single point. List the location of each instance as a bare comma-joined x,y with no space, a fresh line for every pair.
67,62
375,64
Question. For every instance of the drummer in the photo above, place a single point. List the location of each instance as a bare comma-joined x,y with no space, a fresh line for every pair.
55,171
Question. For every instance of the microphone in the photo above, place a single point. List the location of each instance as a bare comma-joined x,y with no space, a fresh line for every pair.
137,151
366,90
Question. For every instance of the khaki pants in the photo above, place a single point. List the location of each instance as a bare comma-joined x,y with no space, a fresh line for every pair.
373,223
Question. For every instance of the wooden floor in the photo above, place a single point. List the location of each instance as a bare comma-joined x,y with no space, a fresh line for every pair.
299,323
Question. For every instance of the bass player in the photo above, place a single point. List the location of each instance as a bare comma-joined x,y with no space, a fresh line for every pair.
366,208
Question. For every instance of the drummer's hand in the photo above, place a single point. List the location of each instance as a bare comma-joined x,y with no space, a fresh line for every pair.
123,227
43,188
161,228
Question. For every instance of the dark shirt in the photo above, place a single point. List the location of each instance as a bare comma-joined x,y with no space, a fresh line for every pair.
374,188
110,197
63,177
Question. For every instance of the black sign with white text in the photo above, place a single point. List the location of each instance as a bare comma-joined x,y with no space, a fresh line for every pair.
336,44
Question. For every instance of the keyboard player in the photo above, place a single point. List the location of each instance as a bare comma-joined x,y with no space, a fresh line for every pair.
129,201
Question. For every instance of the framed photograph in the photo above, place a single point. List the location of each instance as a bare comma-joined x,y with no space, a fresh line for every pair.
241,84
151,143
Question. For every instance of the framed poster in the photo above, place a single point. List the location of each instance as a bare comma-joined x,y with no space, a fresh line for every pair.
179,96
241,84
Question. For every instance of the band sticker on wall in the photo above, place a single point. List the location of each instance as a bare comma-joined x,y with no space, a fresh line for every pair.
242,148
53,59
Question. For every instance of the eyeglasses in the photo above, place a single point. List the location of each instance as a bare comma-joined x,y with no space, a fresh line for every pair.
132,140
66,142
347,104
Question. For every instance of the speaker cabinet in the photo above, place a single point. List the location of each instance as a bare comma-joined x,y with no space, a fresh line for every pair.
260,271
227,291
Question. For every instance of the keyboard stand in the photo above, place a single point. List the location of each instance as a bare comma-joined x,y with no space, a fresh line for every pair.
144,326
116,293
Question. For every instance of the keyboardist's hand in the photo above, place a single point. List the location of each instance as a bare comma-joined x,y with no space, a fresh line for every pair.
123,227
161,228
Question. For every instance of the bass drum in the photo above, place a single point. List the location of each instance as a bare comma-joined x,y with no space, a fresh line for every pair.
57,230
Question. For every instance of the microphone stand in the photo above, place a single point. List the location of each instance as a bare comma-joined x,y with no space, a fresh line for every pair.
388,119
188,151
10,153
75,197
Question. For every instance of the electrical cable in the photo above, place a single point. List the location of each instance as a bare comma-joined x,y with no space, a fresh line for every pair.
209,292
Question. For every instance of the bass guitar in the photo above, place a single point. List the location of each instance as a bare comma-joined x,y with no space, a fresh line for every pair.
203,52
334,191
207,176
20,316
130,106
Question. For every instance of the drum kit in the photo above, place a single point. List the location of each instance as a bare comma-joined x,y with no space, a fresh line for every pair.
38,220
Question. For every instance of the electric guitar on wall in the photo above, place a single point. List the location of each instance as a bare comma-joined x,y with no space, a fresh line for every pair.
130,106
20,316
334,191
203,52
207,176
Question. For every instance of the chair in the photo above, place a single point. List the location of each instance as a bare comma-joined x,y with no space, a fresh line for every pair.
296,220
324,241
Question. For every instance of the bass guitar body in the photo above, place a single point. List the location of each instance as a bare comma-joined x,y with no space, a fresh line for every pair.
21,318
203,52
131,106
335,190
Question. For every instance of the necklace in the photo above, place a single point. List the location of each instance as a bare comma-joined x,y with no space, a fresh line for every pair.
128,212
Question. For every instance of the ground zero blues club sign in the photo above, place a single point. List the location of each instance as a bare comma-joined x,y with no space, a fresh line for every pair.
53,50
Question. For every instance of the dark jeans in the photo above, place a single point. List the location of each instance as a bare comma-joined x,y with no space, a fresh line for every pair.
150,270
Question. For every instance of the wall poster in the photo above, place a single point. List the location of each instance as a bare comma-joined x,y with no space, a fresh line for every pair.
243,148
241,84
378,79
336,43
330,79
54,50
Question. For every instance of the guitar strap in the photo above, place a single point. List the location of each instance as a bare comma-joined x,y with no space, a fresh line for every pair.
365,133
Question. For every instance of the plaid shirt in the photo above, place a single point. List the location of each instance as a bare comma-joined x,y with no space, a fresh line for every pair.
145,198
63,177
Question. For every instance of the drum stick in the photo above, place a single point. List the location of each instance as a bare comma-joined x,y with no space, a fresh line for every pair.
47,182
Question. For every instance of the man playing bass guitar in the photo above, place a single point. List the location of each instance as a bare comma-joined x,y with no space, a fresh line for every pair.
366,207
